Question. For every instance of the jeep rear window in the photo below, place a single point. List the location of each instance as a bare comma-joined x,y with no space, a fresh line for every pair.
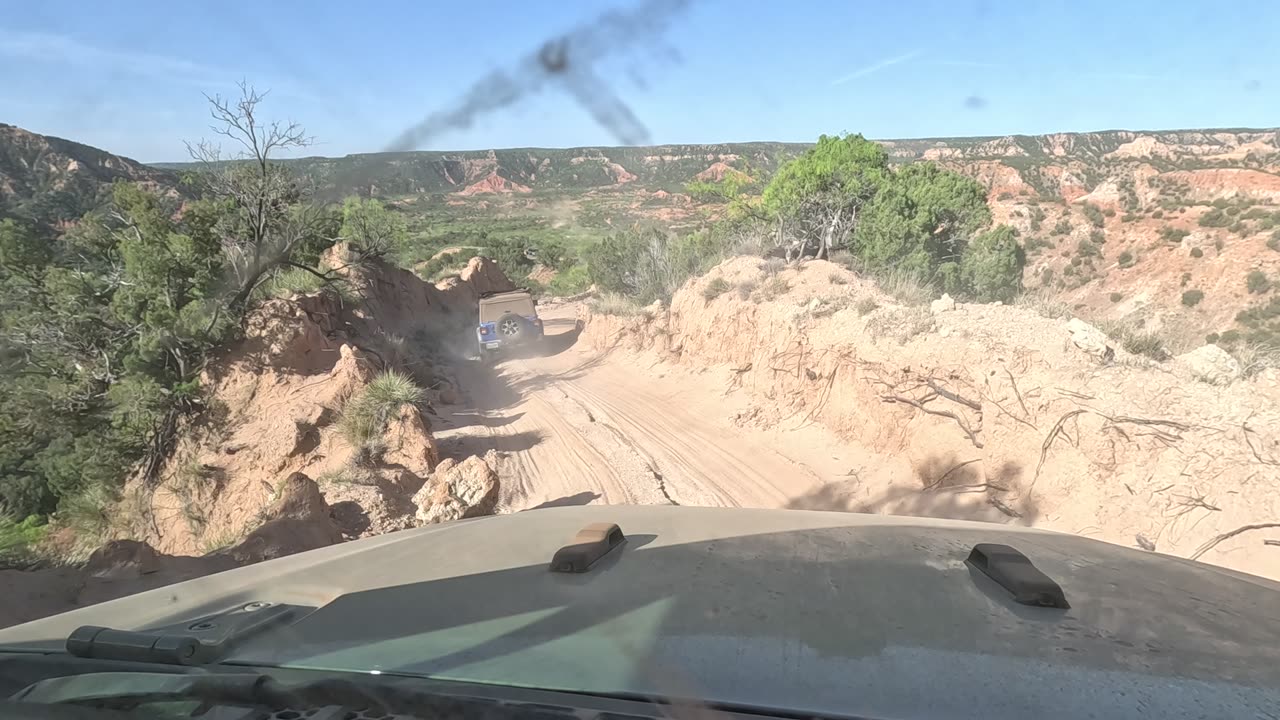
493,309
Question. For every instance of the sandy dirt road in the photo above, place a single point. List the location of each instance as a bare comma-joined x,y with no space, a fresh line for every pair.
574,426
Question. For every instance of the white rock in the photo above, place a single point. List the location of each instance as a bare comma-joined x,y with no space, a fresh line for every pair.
944,332
942,304
1212,364
1088,338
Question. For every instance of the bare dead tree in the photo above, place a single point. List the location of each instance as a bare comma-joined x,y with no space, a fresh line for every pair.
268,197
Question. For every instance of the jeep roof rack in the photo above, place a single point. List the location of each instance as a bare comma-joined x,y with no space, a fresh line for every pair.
491,293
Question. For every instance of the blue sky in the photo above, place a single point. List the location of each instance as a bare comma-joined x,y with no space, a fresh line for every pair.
129,76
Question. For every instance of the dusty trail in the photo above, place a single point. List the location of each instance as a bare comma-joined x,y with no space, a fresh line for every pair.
575,427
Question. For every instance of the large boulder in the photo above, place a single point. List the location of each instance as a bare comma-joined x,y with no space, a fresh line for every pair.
458,490
1211,364
1089,339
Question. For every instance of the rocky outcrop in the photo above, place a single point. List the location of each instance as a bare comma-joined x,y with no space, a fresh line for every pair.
459,490
299,521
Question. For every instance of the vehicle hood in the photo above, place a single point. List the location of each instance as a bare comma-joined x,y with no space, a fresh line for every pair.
807,611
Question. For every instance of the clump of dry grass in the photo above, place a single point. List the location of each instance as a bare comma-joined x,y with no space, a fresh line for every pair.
901,324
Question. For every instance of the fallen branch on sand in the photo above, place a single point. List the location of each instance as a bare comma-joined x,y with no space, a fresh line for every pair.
1213,542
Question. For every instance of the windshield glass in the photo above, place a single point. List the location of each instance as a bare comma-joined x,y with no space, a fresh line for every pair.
1018,267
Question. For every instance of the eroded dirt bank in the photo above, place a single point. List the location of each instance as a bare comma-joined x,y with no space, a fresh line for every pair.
975,411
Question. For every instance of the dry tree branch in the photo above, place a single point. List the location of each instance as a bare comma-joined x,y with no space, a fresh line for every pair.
973,438
1214,541
942,478
1257,455
1048,441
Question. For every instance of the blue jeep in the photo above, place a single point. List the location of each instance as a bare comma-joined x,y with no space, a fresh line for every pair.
508,320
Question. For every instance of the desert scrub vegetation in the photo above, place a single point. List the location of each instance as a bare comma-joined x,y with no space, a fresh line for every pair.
1197,253
901,324
615,304
715,288
1093,214
1257,283
1126,259
20,541
1173,235
365,415
1192,298
1135,340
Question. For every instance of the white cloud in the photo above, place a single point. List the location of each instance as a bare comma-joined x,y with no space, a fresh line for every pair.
65,50
875,67
53,49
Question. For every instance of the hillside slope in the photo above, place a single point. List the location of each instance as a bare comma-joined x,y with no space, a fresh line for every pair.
51,180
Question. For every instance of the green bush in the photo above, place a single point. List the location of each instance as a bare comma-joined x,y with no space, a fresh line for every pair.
1116,297
365,416
1191,298
1093,214
991,267
1273,242
1126,259
648,264
1157,214
1173,235
570,281
1211,338
1109,212
1197,253
1256,282
1062,227
1218,244
19,540
1214,218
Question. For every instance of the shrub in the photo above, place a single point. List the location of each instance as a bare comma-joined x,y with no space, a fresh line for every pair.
1093,214
1097,237
1232,211
715,288
1191,298
1116,297
1157,214
570,281
1126,259
1211,338
1256,282
365,416
1006,195
1145,343
1273,242
1214,218
1186,278
20,539
1218,244
1128,217
1197,253
615,304
1173,235
991,268
1109,212
1062,227
866,305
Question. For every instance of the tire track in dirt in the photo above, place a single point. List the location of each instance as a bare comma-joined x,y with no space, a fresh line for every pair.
577,428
